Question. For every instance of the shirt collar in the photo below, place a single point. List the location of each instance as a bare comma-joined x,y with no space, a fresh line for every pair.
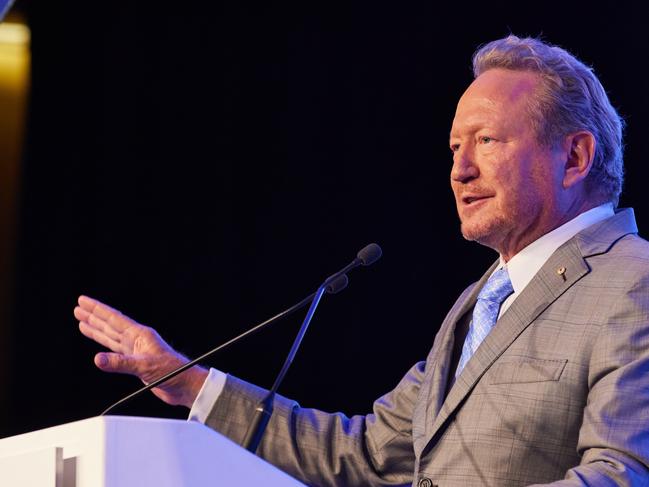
526,263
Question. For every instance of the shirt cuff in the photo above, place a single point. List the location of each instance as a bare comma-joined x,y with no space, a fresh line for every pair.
207,396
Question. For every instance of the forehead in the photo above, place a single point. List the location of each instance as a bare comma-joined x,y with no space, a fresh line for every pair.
497,95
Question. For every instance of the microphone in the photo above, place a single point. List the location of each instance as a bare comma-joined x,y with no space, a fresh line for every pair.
338,284
366,256
264,410
369,254
332,285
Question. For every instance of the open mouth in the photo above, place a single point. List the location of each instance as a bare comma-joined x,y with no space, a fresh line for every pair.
469,200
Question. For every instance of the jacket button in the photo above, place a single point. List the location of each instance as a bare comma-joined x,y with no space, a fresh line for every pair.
425,482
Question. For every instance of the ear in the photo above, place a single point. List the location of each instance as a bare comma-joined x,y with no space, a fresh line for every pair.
580,152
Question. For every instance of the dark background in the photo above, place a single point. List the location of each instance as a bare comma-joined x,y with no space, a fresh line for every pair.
202,165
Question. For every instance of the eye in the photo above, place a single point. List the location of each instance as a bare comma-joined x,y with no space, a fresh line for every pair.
485,139
455,147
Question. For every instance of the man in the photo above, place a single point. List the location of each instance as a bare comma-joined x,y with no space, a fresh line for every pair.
540,371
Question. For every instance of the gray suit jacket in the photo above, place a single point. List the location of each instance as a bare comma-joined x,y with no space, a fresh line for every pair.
557,392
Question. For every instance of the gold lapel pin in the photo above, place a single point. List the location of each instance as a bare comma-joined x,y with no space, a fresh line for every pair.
562,272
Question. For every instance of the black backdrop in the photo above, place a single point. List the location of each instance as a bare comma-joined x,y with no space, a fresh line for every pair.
202,165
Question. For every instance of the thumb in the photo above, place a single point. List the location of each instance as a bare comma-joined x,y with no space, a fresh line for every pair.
116,362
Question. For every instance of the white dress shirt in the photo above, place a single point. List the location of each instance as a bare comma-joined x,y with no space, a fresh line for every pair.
522,268
526,263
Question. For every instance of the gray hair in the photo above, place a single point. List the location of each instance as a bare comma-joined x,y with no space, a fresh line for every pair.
570,99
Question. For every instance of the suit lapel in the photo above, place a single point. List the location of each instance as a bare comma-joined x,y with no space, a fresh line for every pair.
444,355
435,383
545,287
564,268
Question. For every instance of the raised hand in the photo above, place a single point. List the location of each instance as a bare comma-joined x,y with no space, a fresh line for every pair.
137,350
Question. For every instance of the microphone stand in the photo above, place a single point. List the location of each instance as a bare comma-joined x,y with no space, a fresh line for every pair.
264,409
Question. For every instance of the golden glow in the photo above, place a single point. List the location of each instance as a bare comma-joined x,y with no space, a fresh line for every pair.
14,33
15,61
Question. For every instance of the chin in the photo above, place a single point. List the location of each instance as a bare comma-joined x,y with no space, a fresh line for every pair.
485,232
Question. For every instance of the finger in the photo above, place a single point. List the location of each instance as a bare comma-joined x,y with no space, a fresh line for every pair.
87,303
101,338
97,323
117,363
103,327
81,314
110,315
97,308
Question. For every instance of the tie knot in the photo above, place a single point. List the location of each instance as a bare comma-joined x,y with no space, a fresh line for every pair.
497,288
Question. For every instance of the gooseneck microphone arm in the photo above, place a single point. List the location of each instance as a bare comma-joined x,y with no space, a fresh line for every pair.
333,288
264,410
335,284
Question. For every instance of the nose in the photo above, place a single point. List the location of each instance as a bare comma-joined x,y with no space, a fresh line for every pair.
464,166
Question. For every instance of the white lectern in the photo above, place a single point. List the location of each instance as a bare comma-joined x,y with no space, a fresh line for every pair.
119,451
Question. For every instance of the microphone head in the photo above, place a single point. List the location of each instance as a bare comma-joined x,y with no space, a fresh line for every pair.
369,254
338,284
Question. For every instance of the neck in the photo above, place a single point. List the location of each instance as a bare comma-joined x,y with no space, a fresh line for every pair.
512,246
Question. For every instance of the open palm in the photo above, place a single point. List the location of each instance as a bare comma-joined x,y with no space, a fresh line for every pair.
137,350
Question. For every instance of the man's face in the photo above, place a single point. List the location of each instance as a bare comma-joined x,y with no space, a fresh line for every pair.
506,185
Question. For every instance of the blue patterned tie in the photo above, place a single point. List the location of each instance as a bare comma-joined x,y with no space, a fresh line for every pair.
485,313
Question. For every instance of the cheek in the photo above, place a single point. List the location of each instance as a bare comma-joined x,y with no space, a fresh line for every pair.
516,190
521,174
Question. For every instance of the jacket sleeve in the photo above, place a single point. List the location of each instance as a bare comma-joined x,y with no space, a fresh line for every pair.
323,449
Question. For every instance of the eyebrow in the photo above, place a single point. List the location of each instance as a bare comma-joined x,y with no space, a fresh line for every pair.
473,125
